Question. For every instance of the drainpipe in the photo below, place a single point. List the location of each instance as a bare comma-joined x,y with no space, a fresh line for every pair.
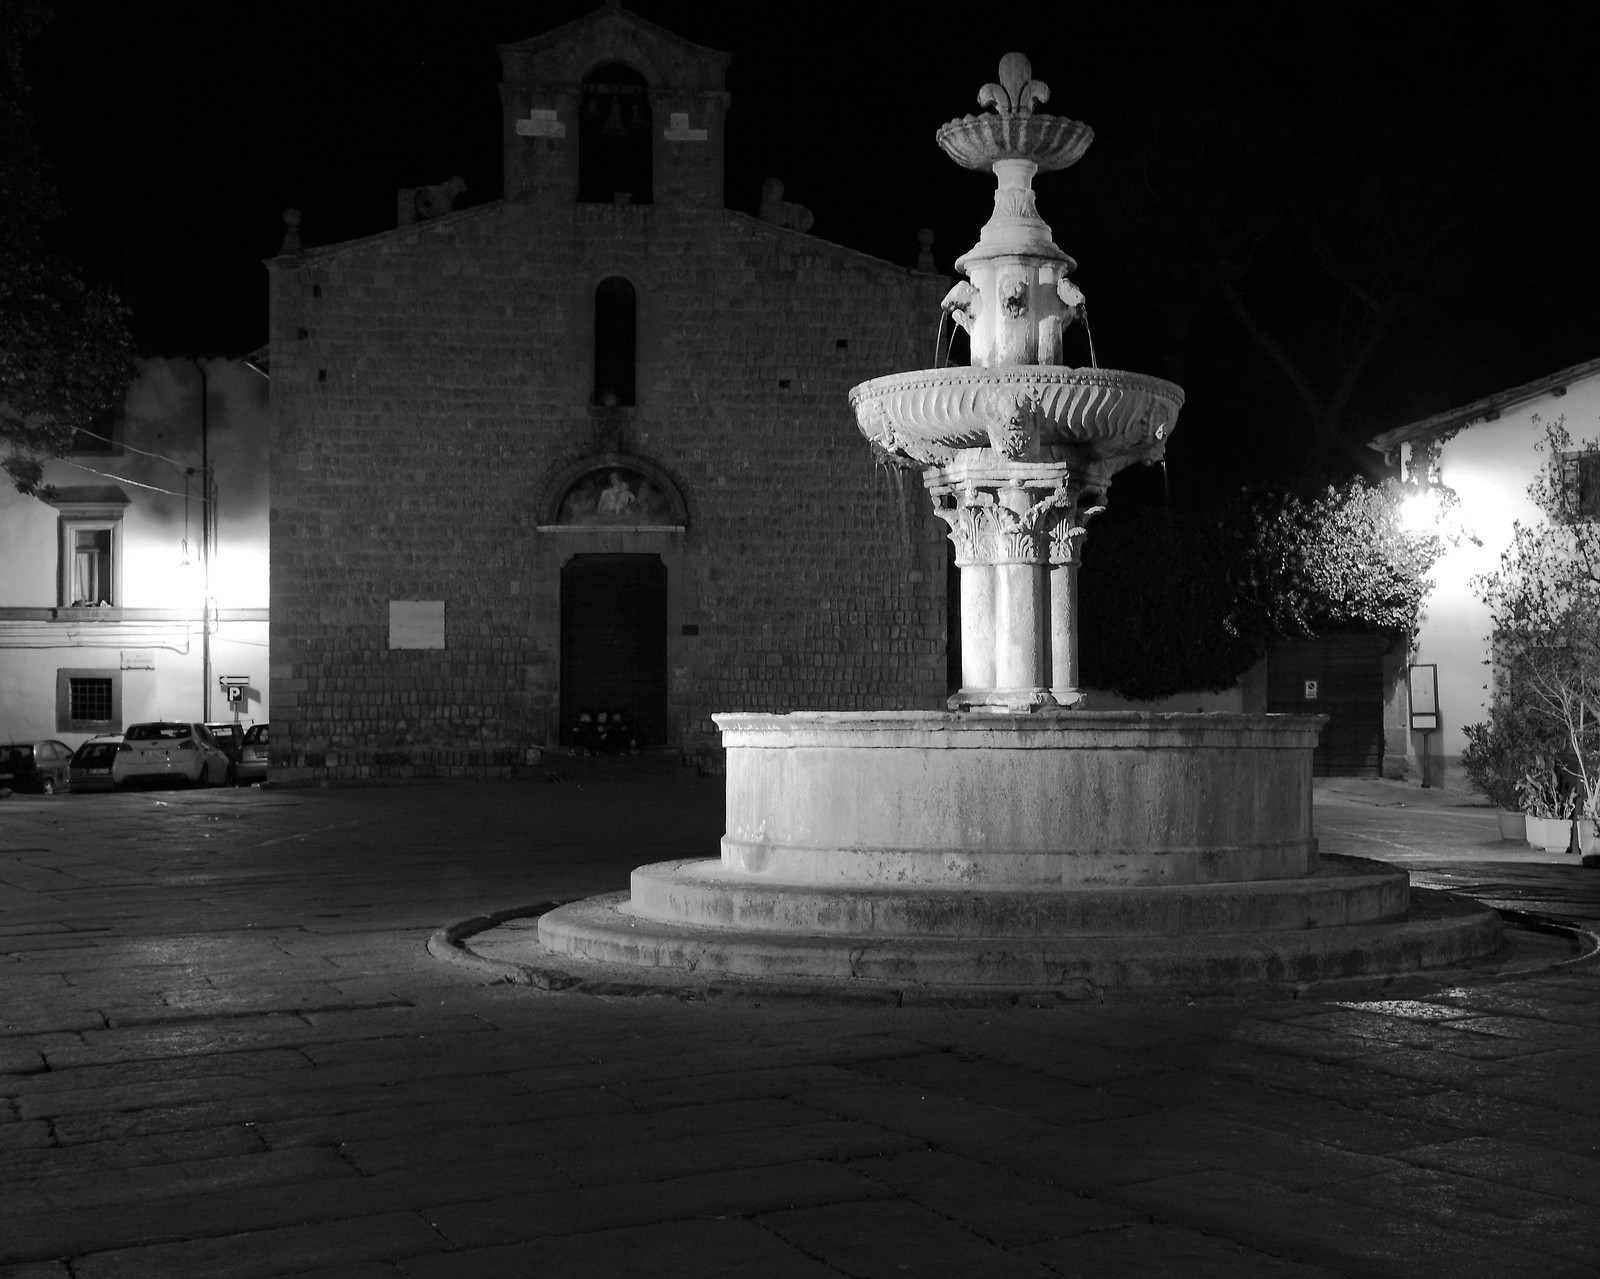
207,506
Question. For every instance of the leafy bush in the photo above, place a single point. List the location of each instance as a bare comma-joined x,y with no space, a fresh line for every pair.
1502,750
1190,601
1545,601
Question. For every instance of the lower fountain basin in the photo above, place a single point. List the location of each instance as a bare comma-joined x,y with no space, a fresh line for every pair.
1081,798
1072,853
931,414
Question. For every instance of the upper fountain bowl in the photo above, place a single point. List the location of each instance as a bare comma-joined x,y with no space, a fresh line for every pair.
1105,416
1050,141
1013,131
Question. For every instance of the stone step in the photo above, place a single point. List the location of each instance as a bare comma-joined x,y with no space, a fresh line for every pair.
1437,930
703,894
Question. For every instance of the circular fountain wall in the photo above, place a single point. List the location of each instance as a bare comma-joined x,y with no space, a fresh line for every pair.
1108,798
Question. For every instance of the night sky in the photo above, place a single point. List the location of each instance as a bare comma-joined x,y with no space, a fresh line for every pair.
178,133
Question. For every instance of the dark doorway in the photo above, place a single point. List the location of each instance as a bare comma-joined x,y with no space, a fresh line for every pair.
614,640
1344,674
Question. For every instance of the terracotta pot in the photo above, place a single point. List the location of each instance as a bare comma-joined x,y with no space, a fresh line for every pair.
1513,826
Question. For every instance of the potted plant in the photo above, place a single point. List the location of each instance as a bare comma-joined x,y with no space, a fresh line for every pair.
1548,807
1495,760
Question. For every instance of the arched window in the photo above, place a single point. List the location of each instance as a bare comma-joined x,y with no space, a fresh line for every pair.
614,137
615,342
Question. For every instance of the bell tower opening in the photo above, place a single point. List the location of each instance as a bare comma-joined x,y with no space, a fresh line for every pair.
615,138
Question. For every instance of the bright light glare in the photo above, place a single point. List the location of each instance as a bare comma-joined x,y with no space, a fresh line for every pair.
1420,512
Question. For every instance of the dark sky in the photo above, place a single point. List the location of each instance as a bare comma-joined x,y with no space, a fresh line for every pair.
179,132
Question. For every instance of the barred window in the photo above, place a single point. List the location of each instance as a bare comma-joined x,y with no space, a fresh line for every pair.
90,698
1581,473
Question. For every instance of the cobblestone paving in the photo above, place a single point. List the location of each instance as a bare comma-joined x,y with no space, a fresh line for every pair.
225,1051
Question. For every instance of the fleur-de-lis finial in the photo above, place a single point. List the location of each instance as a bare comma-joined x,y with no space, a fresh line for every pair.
1018,92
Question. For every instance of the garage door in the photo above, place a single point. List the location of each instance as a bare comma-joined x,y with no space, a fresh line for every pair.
1340,676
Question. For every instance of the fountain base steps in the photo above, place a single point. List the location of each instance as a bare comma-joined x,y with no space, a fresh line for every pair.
1010,853
705,894
1433,930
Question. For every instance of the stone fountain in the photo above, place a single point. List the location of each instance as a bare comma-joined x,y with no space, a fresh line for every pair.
1018,841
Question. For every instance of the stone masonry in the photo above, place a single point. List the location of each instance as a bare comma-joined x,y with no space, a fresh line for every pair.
431,392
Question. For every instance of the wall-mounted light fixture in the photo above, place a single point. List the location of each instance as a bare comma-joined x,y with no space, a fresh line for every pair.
1426,498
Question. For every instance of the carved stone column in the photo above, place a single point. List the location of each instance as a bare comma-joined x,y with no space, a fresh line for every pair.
1005,519
1064,615
971,535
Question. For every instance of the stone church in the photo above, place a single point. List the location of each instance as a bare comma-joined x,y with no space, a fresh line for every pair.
587,447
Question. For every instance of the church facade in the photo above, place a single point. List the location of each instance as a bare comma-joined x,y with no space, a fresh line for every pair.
588,447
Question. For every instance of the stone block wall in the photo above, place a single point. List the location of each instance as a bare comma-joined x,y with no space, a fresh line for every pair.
431,384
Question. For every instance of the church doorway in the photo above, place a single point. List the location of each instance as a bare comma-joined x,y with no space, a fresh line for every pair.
614,641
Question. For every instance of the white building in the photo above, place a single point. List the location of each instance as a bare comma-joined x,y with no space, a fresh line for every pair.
124,594
1487,454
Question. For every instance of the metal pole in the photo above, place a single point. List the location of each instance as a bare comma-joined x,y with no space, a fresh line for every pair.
208,506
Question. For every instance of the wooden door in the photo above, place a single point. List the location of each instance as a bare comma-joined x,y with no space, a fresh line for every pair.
614,640
1340,676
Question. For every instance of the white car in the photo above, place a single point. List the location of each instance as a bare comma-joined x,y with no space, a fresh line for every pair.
186,752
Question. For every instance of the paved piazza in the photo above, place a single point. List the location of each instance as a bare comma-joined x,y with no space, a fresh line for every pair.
226,1051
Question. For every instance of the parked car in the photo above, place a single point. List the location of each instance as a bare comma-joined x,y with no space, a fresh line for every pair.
45,766
91,763
252,766
185,752
230,738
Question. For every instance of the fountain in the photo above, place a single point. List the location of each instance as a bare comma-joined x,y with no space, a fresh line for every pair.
1019,841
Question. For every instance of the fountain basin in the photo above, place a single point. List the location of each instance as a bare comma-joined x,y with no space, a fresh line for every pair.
1051,142
931,414
1073,853
1113,798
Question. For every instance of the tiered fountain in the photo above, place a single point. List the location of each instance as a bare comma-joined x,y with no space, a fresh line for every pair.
1018,841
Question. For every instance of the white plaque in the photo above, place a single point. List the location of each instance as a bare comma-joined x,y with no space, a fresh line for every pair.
679,130
416,623
541,123
138,659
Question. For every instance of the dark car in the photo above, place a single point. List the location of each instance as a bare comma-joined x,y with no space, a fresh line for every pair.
230,738
91,764
45,766
252,766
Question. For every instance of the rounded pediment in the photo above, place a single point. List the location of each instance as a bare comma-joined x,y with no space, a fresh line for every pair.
613,492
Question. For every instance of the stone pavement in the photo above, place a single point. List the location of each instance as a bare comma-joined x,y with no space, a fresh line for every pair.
224,1050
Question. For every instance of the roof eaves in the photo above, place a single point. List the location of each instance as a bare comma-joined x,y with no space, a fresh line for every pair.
1486,409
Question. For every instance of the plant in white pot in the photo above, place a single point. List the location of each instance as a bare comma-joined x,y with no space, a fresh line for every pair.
1548,807
1499,754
